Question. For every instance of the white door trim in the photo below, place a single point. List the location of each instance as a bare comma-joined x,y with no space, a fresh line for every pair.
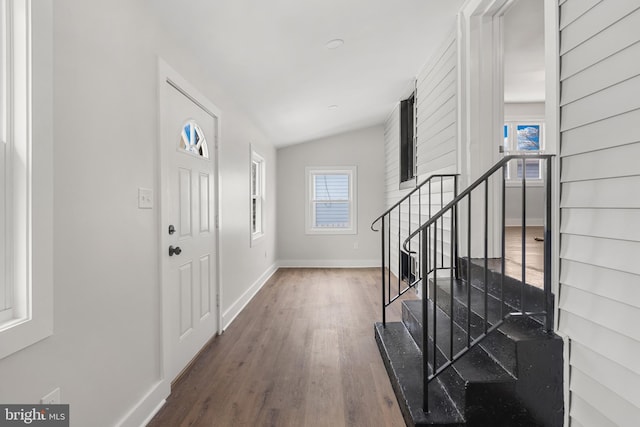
167,75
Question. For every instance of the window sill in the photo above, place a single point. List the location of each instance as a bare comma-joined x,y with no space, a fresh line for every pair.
256,238
408,184
530,183
330,231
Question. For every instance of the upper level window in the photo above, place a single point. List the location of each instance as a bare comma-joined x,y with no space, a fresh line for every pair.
331,200
26,300
407,140
523,138
257,195
192,140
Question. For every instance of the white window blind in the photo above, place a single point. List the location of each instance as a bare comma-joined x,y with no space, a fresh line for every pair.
331,200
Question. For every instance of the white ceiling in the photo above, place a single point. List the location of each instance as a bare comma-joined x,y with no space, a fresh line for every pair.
524,52
271,56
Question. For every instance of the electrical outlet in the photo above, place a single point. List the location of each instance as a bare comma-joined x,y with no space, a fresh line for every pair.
52,398
355,245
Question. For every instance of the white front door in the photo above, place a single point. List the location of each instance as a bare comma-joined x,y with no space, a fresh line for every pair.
189,259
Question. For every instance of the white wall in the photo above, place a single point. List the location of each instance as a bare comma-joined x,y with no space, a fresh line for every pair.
105,350
535,193
599,297
364,149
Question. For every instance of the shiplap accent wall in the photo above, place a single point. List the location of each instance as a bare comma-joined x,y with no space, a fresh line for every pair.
600,208
435,116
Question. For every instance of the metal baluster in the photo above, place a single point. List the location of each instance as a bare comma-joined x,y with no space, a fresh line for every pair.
425,323
442,226
455,214
548,298
421,272
389,259
451,277
469,272
504,238
524,232
399,247
435,291
486,255
384,303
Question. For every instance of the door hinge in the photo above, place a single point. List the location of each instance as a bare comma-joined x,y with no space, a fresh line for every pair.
218,300
217,221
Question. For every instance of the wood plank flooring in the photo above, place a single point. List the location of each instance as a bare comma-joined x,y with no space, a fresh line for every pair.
302,353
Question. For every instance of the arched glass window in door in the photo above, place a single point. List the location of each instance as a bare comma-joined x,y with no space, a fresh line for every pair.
192,140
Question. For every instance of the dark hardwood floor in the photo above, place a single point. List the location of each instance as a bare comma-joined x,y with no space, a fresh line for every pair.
302,353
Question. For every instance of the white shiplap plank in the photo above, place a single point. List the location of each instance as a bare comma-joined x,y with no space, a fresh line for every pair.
445,163
431,89
438,60
618,130
611,163
615,377
622,66
445,137
615,254
603,311
623,193
597,19
618,410
601,46
447,120
619,224
610,344
429,94
437,150
620,286
572,10
607,103
585,415
446,105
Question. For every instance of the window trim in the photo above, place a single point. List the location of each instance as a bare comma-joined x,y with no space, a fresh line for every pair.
259,196
310,172
30,128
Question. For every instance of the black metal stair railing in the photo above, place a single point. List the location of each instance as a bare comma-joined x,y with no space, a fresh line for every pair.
432,260
432,189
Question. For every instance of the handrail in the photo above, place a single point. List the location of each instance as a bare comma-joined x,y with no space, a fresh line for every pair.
417,188
463,194
432,264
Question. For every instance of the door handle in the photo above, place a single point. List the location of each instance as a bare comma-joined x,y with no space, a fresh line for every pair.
176,250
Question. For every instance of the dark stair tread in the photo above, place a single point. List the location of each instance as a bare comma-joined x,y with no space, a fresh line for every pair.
512,286
460,294
403,360
475,366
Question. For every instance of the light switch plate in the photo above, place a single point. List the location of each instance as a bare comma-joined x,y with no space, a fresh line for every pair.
145,198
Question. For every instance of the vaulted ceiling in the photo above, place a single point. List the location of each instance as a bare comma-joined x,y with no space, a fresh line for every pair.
272,56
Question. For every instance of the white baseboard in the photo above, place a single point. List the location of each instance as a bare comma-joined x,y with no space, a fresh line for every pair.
235,309
147,407
329,263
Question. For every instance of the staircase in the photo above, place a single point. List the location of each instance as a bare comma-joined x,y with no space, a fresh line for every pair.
479,343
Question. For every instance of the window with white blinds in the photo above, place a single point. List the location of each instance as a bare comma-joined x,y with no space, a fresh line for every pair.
331,200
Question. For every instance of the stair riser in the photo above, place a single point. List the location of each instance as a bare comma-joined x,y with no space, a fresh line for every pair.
501,347
457,387
534,297
404,368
